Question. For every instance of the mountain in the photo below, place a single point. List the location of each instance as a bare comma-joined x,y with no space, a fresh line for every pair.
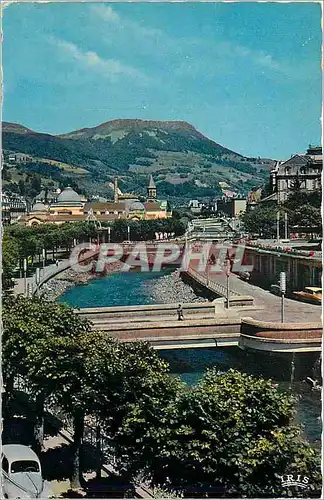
15,128
184,162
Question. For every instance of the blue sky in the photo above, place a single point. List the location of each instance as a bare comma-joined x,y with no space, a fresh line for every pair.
246,75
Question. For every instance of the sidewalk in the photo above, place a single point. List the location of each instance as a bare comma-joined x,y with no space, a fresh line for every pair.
45,273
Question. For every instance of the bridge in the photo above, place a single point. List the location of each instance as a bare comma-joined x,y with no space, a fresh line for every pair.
205,325
209,324
210,229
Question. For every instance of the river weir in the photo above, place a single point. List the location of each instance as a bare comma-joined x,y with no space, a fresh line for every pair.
135,288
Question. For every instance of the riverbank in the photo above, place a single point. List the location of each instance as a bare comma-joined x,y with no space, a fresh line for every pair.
170,289
68,279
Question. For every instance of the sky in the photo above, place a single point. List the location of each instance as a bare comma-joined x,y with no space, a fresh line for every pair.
247,75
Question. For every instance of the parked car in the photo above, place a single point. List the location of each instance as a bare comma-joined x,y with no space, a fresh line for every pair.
244,275
312,294
22,473
275,289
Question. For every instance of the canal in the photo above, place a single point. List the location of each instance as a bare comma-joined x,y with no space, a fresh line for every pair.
132,288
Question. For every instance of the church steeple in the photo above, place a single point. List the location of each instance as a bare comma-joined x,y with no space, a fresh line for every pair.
151,189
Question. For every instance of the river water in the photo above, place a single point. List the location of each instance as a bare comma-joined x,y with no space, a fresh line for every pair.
132,288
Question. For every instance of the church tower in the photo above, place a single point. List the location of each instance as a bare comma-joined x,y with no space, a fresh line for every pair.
151,189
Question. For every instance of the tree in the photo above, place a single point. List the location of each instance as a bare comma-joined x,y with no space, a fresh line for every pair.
231,434
261,220
129,388
44,343
10,256
308,218
267,190
298,198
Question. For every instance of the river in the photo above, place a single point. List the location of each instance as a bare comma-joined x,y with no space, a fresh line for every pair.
132,288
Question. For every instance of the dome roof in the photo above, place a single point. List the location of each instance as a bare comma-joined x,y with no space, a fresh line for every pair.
68,195
39,207
136,205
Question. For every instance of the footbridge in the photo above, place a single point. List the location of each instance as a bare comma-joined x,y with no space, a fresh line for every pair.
205,325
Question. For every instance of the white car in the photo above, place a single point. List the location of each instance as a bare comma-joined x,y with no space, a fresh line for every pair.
22,473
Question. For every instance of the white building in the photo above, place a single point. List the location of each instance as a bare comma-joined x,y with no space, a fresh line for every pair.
303,170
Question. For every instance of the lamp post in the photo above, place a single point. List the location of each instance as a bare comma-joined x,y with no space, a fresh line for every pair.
278,226
283,291
207,273
128,233
25,277
44,257
227,271
292,373
286,226
109,230
37,278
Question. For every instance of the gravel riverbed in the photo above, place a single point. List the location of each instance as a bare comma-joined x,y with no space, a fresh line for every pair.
170,289
163,290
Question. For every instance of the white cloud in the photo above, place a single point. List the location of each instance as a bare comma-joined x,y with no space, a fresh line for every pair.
111,69
106,12
258,57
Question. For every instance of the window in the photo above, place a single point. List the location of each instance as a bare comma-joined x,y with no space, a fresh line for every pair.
24,466
5,465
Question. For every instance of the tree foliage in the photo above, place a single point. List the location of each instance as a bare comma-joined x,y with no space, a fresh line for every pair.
261,220
228,436
10,256
231,435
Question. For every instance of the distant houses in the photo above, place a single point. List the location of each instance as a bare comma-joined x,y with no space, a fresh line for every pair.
14,158
13,207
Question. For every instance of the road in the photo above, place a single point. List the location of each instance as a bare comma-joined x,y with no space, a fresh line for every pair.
270,305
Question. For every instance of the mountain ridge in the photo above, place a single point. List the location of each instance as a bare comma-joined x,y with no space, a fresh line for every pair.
183,161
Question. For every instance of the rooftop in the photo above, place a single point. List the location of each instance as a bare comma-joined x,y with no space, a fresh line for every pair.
151,184
68,195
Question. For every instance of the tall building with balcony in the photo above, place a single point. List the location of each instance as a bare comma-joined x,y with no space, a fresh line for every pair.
302,171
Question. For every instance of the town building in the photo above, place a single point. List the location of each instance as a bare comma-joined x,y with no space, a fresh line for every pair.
151,190
231,207
68,203
47,196
195,206
302,171
14,158
109,210
69,206
13,207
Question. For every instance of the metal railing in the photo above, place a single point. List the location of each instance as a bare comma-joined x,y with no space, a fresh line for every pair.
216,287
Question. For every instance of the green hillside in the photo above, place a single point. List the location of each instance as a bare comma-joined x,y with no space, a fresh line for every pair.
185,163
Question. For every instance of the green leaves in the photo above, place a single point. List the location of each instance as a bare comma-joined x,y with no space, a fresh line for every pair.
231,426
10,255
231,430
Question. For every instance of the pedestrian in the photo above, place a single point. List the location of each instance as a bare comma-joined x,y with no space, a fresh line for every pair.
180,313
57,263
